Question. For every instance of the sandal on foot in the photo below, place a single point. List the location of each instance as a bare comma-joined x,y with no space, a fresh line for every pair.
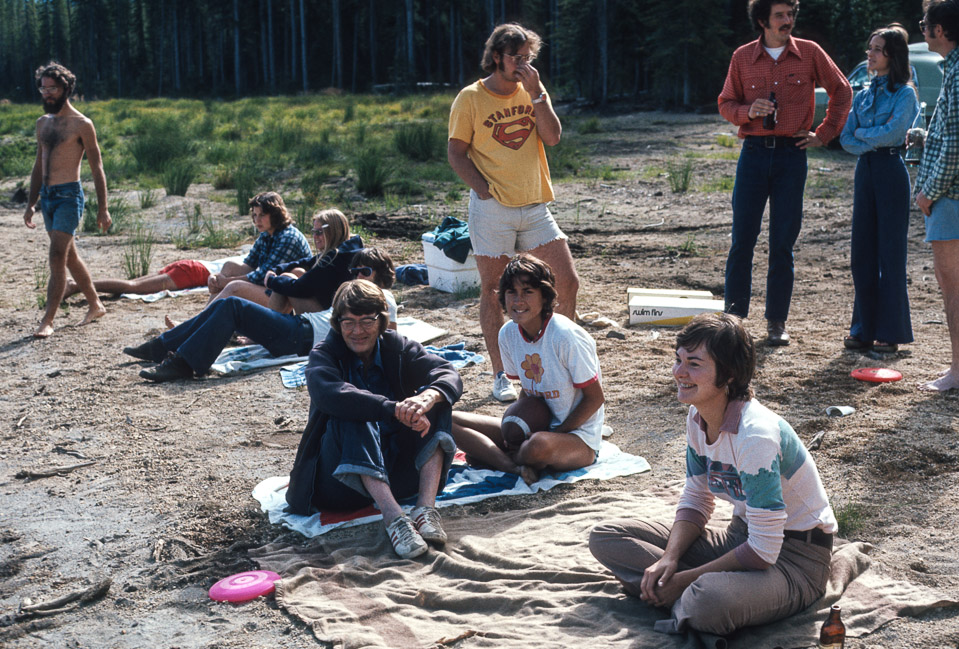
851,342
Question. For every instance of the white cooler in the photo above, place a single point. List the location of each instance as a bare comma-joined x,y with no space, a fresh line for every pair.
667,306
445,274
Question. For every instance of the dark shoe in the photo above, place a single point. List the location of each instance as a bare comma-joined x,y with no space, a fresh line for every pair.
885,348
776,333
152,351
173,368
853,343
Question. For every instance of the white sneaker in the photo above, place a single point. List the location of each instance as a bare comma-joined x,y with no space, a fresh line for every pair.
427,522
503,389
406,540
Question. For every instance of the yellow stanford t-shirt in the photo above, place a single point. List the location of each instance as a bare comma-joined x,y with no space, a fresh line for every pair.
504,144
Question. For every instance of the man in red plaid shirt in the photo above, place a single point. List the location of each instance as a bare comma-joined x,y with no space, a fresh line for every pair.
775,76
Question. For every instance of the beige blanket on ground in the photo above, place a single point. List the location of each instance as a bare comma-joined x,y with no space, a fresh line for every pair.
526,579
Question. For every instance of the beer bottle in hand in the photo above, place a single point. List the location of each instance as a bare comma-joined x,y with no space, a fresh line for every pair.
833,632
769,121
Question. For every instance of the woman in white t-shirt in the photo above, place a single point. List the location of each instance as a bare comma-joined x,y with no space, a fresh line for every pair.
553,359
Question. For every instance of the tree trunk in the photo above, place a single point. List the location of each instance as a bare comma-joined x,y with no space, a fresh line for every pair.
269,26
409,41
303,44
236,47
176,50
337,47
293,51
372,42
603,50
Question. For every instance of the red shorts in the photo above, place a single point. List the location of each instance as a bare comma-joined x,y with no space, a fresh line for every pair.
187,273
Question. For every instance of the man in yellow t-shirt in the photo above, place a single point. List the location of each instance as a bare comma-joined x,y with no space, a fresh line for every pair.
498,127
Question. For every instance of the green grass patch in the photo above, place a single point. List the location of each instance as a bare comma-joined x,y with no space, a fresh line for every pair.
178,175
852,518
139,252
420,141
722,184
726,140
679,175
566,158
372,172
590,125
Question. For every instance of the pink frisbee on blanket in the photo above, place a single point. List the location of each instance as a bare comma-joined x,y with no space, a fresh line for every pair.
876,374
244,586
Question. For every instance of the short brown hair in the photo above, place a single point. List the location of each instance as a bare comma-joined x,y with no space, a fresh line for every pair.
59,73
272,203
361,297
527,269
507,39
381,263
729,345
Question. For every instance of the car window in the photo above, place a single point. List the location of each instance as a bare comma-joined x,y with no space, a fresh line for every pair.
859,76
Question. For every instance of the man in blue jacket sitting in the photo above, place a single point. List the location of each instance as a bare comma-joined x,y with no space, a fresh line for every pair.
379,426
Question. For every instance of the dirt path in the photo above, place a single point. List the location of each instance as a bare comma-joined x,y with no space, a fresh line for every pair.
165,509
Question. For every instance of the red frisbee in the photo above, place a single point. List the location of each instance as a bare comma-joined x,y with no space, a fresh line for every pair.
244,586
876,374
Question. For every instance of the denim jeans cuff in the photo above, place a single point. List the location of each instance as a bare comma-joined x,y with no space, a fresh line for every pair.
444,441
349,474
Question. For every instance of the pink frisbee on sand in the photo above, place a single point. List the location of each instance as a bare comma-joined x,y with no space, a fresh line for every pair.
244,586
876,374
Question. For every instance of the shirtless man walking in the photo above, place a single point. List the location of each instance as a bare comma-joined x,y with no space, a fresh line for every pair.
63,136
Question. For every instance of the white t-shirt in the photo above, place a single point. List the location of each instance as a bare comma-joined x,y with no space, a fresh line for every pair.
321,319
556,366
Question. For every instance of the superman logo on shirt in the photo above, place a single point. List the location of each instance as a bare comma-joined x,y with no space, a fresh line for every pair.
513,134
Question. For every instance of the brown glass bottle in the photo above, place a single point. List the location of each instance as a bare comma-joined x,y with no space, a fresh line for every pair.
833,632
769,121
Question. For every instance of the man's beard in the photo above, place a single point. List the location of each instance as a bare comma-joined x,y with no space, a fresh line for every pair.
53,107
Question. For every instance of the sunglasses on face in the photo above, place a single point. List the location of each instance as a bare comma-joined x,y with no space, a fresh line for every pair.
361,270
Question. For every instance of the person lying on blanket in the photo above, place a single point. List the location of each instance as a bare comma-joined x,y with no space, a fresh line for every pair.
380,416
554,359
773,559
192,347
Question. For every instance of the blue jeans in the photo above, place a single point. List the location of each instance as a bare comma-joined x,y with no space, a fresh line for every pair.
880,226
62,206
385,450
779,176
200,339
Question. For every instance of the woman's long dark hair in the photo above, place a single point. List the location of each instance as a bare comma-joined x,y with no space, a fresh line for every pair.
896,47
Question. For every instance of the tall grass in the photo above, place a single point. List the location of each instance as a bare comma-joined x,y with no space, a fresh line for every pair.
148,198
139,252
420,141
372,172
679,176
160,141
178,175
120,212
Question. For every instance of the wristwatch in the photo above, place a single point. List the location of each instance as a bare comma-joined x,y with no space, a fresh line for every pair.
540,98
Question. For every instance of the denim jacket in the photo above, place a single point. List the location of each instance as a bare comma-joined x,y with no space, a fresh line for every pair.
879,118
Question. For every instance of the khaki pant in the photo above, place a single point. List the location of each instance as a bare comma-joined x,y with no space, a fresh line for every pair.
717,602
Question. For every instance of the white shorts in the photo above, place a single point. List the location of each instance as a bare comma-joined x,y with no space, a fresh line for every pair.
497,230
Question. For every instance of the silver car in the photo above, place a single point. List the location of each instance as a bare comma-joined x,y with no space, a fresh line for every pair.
925,72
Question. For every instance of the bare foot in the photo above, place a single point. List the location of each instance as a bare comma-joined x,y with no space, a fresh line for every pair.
947,381
528,474
96,311
243,340
45,330
170,322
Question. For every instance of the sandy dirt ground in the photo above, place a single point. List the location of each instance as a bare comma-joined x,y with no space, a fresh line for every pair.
163,509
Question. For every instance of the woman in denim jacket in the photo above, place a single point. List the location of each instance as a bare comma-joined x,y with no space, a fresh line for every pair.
881,114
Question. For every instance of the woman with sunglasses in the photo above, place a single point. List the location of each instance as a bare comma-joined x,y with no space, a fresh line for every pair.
881,114
191,348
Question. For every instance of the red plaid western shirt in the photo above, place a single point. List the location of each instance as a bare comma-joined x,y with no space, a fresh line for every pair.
801,67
